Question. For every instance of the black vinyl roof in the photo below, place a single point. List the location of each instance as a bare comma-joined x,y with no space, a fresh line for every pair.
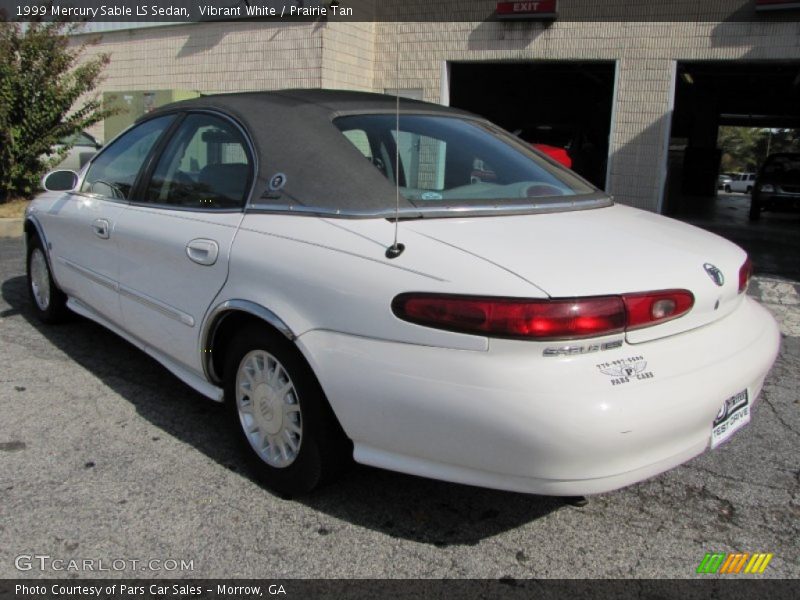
293,134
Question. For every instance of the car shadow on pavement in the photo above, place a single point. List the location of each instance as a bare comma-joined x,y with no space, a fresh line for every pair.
402,506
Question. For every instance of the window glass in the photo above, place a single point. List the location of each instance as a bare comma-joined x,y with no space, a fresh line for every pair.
204,165
457,162
358,137
79,139
114,171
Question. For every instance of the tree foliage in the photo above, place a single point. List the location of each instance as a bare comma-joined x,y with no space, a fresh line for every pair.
745,148
45,97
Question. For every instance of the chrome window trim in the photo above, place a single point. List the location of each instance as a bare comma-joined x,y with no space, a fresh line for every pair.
98,197
583,203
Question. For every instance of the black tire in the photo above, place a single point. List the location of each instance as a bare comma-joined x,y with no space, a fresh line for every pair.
727,189
54,308
749,189
324,449
755,210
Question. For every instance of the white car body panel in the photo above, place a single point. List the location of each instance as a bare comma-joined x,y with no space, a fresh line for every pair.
594,247
84,264
346,259
164,294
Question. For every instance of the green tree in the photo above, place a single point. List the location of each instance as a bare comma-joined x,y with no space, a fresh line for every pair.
740,147
746,148
45,97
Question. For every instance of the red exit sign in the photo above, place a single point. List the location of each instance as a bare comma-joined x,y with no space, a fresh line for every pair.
534,10
777,4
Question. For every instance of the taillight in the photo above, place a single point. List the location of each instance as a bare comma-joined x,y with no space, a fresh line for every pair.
652,308
562,318
745,271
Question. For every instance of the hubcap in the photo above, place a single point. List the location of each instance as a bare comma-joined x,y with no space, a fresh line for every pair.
40,279
269,410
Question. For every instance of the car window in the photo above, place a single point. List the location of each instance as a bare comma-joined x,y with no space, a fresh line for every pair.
205,165
84,139
78,139
114,171
358,137
456,162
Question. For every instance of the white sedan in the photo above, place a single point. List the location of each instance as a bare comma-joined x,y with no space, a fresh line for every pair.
419,291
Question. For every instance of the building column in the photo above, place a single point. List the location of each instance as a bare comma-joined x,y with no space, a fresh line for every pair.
640,131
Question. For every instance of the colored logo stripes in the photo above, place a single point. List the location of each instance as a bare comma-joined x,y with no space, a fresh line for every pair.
734,563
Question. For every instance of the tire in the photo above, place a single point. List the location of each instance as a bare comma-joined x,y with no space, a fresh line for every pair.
755,210
749,189
727,189
291,438
49,303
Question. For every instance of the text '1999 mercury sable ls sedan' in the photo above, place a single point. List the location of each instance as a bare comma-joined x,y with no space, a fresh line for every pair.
526,333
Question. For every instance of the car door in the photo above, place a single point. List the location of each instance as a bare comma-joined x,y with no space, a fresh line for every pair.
81,226
176,236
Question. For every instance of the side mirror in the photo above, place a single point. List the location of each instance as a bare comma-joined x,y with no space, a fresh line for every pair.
60,181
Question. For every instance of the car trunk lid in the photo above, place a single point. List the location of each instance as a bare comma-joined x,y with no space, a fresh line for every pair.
608,251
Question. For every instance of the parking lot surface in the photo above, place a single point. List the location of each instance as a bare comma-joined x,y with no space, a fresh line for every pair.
106,456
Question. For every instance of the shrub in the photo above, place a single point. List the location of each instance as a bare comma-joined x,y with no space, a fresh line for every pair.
45,97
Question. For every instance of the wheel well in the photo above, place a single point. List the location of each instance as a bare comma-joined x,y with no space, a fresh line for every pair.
30,230
225,328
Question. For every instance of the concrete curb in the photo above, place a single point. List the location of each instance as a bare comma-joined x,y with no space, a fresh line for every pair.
11,228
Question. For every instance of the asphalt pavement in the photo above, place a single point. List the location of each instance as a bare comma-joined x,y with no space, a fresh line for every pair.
105,456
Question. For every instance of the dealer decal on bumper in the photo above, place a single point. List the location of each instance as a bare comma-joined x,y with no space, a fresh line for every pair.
625,370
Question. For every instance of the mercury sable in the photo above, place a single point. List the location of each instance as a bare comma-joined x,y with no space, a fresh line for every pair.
413,288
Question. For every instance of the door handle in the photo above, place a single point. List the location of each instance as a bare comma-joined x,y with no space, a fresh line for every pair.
101,228
202,251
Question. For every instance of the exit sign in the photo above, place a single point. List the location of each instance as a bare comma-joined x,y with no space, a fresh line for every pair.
536,10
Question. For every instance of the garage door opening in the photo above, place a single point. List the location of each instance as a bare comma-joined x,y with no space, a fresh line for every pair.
720,105
563,107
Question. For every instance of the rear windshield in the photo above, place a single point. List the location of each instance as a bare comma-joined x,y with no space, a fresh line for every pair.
449,162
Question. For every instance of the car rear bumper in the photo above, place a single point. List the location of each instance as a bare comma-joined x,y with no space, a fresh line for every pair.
512,419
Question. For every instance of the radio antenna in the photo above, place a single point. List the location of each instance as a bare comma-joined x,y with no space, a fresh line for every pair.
396,249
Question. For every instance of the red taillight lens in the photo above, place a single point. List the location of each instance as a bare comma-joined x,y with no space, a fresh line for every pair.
562,319
745,272
505,317
652,308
